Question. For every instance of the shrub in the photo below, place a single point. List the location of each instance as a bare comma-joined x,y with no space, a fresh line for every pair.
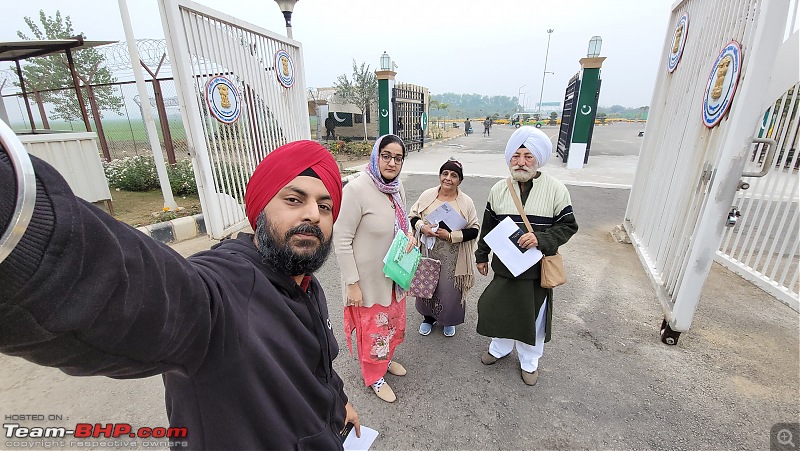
181,178
350,148
136,173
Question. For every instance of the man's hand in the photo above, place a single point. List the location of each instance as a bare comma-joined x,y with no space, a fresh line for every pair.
528,241
354,296
351,416
483,268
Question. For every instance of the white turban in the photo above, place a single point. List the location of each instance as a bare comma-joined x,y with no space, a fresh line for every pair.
534,140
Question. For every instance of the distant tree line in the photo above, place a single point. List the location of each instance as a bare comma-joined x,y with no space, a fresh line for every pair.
619,111
473,105
451,104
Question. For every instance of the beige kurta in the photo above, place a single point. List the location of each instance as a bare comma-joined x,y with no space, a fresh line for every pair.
362,236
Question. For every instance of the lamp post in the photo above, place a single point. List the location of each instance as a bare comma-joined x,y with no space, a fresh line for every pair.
287,6
386,111
594,47
519,94
586,109
386,61
544,74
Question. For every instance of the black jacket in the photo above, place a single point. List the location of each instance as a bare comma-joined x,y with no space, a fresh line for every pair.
245,352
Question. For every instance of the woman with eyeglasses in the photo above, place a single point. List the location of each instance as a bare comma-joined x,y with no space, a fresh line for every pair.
373,211
455,249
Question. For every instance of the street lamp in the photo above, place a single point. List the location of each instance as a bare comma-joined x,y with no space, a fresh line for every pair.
519,95
386,61
544,74
287,6
594,47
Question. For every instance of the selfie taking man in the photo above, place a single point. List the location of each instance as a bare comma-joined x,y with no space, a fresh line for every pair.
240,332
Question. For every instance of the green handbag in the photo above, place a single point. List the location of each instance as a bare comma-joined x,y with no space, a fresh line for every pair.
399,266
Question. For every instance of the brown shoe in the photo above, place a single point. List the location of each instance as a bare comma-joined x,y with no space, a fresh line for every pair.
529,378
385,392
488,359
396,369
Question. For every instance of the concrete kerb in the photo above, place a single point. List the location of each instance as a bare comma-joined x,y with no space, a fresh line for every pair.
176,230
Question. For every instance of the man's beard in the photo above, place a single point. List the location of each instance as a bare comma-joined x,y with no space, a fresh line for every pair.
519,176
280,254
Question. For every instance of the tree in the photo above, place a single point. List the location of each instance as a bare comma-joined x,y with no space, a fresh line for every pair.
553,117
361,91
602,116
52,72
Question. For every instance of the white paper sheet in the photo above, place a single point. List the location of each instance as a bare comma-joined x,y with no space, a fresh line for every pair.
449,215
353,443
515,260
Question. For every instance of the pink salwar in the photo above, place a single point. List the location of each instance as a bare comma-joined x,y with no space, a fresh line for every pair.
378,330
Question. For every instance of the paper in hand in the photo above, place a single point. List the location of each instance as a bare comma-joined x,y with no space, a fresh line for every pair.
353,443
507,249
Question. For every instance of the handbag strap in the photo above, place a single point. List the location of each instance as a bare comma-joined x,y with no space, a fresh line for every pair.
518,204
420,244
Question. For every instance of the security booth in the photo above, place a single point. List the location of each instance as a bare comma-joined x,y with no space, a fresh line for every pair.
74,154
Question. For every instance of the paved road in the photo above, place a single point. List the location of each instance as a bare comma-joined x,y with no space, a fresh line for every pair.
606,381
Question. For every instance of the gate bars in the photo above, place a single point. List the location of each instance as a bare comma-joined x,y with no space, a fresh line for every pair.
204,43
688,174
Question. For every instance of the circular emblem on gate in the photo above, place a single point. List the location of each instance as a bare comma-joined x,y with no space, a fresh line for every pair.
722,83
284,68
223,101
678,42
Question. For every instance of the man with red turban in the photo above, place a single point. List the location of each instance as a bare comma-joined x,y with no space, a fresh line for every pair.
240,333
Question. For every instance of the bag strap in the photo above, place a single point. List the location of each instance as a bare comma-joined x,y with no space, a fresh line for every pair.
519,204
420,244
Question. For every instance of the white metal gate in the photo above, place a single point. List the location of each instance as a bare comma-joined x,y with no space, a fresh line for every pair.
763,248
688,174
242,94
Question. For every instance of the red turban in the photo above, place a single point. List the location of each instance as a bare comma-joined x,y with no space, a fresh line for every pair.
282,165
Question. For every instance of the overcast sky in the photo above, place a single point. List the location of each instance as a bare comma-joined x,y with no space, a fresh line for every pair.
467,46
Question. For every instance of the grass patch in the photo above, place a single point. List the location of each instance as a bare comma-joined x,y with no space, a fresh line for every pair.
144,208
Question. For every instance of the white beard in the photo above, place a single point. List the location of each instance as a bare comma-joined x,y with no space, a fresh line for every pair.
518,176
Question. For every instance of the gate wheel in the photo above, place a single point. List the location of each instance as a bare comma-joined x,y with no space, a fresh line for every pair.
668,336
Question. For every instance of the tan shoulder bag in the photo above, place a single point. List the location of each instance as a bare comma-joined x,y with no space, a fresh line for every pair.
553,273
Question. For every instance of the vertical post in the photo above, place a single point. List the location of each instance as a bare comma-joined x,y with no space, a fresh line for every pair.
544,73
386,121
38,96
162,119
25,95
97,123
585,111
78,92
152,134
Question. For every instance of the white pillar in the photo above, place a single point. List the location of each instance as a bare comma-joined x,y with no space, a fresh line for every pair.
147,111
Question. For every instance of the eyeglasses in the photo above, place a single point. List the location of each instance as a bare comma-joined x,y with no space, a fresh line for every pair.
386,157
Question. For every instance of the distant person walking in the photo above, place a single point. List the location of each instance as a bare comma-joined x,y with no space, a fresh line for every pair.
487,125
467,127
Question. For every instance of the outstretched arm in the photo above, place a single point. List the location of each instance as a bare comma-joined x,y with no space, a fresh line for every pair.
90,295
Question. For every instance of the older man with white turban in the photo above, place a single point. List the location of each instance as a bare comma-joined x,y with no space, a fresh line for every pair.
517,311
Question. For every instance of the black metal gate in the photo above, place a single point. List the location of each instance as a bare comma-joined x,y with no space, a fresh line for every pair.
568,116
408,104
